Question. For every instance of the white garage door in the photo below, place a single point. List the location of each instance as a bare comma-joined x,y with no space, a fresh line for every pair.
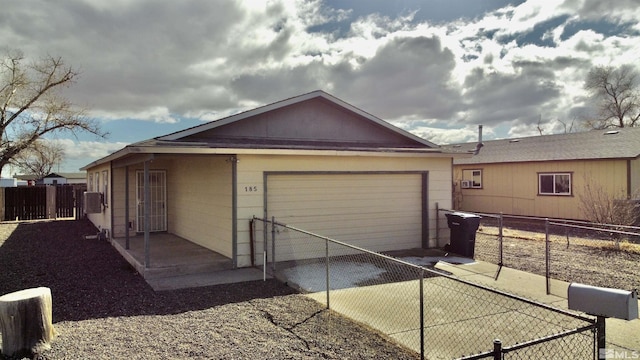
376,211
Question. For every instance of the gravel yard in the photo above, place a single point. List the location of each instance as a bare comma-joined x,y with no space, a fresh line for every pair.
589,260
102,309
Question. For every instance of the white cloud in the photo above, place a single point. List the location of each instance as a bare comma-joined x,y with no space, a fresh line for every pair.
206,60
74,150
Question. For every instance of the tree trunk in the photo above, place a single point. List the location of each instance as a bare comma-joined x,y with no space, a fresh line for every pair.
26,321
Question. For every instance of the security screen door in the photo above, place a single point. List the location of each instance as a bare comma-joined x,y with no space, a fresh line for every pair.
158,190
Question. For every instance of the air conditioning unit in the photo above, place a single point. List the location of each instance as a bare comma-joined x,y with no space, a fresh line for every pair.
92,202
465,184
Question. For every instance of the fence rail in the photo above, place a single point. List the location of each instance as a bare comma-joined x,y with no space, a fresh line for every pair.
418,306
550,252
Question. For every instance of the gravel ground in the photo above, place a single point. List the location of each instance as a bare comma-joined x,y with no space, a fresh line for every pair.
586,257
102,309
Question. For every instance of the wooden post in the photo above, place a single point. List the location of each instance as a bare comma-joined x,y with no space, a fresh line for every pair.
26,321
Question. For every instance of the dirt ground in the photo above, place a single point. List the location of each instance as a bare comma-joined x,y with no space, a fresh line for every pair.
574,257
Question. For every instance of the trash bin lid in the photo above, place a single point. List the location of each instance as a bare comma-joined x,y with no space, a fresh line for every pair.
464,215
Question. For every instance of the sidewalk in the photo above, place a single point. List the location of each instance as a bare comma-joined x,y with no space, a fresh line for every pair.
621,334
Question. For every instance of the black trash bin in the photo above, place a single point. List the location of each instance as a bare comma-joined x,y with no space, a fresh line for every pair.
463,232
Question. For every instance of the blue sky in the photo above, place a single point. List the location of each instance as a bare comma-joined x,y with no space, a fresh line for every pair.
437,68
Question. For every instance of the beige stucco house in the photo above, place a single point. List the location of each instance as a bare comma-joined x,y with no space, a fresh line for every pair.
312,161
545,176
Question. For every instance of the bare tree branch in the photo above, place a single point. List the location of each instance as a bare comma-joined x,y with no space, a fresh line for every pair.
32,105
40,158
616,91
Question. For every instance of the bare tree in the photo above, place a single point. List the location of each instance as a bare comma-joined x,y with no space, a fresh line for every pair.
616,90
603,207
31,104
40,158
568,128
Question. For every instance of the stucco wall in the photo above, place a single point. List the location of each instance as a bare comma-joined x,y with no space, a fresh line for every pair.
513,188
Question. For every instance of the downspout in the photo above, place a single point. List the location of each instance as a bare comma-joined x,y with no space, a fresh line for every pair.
234,210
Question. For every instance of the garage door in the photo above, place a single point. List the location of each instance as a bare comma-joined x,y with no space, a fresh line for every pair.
376,211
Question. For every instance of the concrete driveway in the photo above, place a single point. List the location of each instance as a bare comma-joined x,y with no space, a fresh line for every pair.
463,320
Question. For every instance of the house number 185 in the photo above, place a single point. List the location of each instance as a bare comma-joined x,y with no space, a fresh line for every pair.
250,188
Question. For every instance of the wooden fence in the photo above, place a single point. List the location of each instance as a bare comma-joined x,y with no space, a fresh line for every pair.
42,202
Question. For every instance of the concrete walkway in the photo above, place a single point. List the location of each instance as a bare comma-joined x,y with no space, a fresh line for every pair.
621,334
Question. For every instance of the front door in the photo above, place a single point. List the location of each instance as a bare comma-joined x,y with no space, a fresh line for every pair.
158,191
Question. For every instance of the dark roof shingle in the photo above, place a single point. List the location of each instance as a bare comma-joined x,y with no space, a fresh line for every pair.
621,143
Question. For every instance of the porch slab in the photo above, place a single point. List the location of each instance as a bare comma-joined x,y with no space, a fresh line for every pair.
170,256
207,279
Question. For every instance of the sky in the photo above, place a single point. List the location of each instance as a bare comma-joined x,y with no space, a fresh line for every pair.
436,68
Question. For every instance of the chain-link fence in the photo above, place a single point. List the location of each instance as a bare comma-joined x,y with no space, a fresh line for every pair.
421,308
561,250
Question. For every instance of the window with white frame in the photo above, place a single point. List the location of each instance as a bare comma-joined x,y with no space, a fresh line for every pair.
97,180
90,183
471,179
554,184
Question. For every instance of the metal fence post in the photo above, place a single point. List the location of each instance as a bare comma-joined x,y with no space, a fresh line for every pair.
546,256
601,334
500,239
273,244
422,314
326,250
497,349
437,225
500,247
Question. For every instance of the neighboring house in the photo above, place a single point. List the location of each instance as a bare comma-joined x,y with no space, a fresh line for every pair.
74,178
52,179
312,161
25,180
546,176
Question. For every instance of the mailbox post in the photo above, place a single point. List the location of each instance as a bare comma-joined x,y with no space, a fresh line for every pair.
603,303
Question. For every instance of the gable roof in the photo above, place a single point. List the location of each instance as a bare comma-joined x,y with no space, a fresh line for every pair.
309,122
622,143
211,128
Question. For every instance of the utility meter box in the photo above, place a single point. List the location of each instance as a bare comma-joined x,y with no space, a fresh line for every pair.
599,301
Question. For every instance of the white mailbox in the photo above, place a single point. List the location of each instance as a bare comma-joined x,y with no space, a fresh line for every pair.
600,301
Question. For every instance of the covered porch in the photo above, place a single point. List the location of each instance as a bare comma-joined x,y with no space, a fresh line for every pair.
169,255
174,262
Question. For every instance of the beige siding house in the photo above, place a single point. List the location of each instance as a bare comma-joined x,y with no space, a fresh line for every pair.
545,176
312,161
